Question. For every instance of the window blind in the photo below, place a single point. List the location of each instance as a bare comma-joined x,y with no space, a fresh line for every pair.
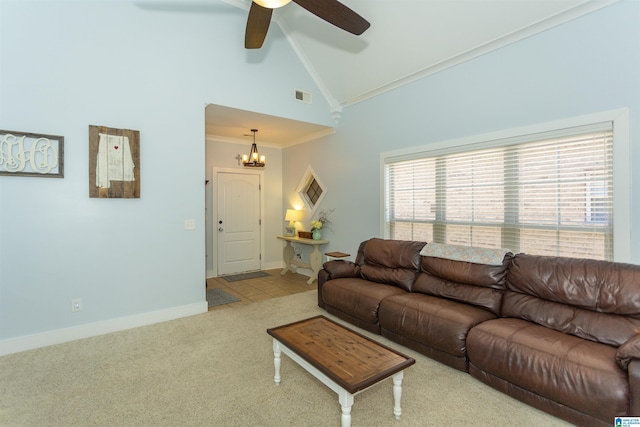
549,195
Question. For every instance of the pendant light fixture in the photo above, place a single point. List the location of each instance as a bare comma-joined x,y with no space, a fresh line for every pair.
254,159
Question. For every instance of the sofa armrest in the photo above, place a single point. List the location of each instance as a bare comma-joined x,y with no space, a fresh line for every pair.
335,270
339,268
628,352
634,388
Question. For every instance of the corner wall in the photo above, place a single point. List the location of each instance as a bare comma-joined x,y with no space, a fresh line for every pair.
585,66
69,64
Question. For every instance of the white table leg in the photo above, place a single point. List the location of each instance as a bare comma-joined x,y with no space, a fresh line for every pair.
276,360
397,394
346,401
287,257
315,260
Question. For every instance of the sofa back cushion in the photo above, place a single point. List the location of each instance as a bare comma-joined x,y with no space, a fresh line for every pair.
392,262
595,300
479,284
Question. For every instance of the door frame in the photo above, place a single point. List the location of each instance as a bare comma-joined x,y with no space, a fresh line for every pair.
214,211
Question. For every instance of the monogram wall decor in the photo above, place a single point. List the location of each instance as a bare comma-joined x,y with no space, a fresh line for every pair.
31,154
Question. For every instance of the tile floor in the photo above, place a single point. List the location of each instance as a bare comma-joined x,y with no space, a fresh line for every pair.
262,288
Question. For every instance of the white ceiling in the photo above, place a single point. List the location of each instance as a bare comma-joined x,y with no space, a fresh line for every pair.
233,125
407,40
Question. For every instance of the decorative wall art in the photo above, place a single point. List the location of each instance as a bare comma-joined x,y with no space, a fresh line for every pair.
31,154
114,163
311,190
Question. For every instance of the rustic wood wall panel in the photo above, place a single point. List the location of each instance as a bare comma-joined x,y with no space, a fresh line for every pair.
114,162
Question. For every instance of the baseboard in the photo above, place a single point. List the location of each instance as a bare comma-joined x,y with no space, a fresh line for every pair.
59,336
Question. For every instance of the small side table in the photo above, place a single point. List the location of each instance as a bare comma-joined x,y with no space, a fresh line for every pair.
332,256
315,260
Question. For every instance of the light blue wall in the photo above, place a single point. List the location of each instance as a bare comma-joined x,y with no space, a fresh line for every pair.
585,66
70,64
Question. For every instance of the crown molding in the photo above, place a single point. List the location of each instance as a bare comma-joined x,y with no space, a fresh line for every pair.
244,141
518,35
336,106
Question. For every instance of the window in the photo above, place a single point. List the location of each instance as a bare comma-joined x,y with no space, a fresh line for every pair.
547,193
311,190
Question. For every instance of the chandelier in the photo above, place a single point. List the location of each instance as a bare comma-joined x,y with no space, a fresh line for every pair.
254,159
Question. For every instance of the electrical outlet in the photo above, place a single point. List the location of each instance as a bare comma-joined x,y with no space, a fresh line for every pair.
189,224
76,304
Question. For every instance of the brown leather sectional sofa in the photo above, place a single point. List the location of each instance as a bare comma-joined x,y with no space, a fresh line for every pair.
560,334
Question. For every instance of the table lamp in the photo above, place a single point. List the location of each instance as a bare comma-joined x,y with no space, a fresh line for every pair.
292,217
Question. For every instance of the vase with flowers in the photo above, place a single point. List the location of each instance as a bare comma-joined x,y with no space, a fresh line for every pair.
317,224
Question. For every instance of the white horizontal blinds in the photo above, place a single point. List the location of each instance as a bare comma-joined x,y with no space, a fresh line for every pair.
473,186
565,196
411,208
549,196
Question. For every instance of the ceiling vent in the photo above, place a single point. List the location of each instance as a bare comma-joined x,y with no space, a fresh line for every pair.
303,96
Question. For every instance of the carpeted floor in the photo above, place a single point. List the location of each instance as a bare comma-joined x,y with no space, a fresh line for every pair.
216,369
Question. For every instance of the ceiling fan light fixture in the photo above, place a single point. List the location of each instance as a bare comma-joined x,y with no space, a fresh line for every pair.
272,4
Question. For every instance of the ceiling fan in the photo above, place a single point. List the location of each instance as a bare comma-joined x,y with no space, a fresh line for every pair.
331,11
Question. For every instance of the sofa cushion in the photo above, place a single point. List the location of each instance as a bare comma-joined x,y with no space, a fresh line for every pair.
392,262
357,297
581,374
595,300
431,321
478,284
604,328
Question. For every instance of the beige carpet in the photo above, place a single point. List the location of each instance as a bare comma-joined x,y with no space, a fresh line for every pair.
216,369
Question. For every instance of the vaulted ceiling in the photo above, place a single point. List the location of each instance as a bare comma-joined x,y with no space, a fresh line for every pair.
407,40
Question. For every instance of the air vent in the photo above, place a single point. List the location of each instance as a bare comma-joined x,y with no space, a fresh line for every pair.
303,96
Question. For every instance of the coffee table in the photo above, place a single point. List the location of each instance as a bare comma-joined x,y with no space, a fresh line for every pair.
342,359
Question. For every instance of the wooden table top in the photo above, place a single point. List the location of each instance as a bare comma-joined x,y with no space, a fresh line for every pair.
351,360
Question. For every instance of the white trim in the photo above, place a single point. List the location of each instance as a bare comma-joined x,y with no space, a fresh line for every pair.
214,203
284,144
622,187
621,164
59,336
516,36
302,186
336,105
336,109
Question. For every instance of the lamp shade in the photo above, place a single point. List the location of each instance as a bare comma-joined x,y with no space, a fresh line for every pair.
291,216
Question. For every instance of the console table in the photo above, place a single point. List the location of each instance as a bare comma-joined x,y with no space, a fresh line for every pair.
315,260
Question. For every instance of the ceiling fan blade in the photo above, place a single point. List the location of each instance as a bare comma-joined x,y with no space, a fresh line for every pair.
337,14
257,26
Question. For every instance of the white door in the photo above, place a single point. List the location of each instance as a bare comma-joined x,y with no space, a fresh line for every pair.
238,222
